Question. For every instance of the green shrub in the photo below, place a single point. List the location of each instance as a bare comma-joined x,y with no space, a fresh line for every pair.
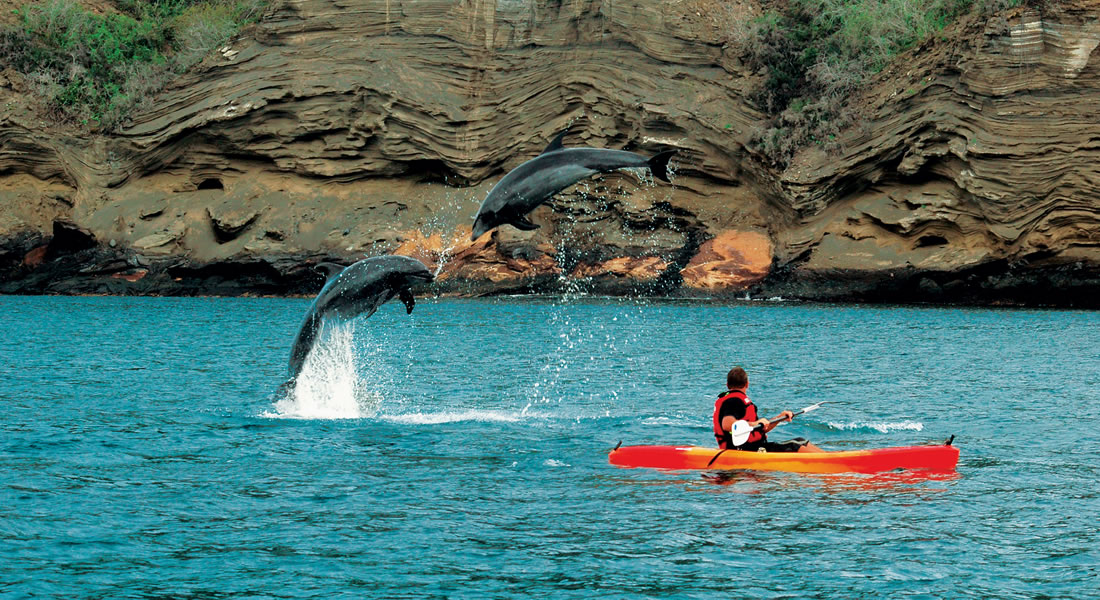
203,26
94,69
815,53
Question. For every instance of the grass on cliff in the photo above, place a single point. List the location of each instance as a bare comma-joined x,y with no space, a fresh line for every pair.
817,53
94,68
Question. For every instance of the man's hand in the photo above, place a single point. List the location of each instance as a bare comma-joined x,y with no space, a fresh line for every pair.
762,423
786,415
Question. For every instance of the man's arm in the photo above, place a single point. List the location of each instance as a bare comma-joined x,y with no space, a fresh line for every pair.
731,413
768,425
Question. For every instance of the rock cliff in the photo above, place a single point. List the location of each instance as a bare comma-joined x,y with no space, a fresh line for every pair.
337,128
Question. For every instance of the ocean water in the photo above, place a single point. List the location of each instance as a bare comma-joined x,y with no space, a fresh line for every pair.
461,451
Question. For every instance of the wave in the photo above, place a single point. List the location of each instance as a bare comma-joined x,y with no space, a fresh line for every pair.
673,421
879,427
488,416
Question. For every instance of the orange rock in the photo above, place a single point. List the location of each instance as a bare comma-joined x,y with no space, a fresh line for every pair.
434,249
474,260
35,257
641,268
131,276
501,270
732,260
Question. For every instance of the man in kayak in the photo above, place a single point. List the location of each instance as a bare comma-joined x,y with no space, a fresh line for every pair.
733,405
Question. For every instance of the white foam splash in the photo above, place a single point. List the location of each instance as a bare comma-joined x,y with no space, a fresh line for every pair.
329,385
880,427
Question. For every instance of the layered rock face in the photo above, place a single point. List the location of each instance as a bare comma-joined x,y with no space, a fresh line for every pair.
334,129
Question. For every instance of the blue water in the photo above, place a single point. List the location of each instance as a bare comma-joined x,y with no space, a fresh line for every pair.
461,452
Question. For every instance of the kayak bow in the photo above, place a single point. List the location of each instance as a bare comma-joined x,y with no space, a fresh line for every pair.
942,458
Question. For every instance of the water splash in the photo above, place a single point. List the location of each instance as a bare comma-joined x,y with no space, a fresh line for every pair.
444,258
575,377
483,416
879,427
330,385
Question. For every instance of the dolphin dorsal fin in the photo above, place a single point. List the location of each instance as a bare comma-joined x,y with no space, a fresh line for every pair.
556,143
329,269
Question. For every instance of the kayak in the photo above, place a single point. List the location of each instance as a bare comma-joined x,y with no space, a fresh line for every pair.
940,458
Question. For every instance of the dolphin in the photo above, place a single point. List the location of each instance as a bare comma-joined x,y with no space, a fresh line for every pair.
357,290
537,180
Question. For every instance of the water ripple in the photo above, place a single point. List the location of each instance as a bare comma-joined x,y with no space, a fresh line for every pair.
460,452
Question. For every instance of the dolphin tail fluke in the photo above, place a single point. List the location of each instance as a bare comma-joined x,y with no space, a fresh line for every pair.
659,164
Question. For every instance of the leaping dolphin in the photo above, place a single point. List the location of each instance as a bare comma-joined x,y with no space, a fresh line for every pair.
537,180
357,290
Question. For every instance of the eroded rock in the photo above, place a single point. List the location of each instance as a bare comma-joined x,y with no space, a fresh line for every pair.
731,261
229,221
643,269
364,127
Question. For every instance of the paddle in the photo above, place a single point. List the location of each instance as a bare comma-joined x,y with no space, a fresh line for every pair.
741,429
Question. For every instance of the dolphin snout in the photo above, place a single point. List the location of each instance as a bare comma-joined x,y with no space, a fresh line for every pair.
483,224
421,277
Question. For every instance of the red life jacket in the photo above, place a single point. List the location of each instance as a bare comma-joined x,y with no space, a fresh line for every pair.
724,438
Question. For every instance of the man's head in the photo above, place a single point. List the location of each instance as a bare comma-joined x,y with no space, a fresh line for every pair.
737,379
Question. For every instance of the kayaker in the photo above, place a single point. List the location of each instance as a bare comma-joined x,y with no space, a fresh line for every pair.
734,405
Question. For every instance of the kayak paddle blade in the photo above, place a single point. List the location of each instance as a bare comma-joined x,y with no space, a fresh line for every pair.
740,432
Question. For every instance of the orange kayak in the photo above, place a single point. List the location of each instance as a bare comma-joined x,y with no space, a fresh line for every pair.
942,458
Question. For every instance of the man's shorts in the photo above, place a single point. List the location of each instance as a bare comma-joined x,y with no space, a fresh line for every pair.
787,446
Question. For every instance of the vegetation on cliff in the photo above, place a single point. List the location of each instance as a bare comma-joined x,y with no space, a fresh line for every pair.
816,53
94,66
